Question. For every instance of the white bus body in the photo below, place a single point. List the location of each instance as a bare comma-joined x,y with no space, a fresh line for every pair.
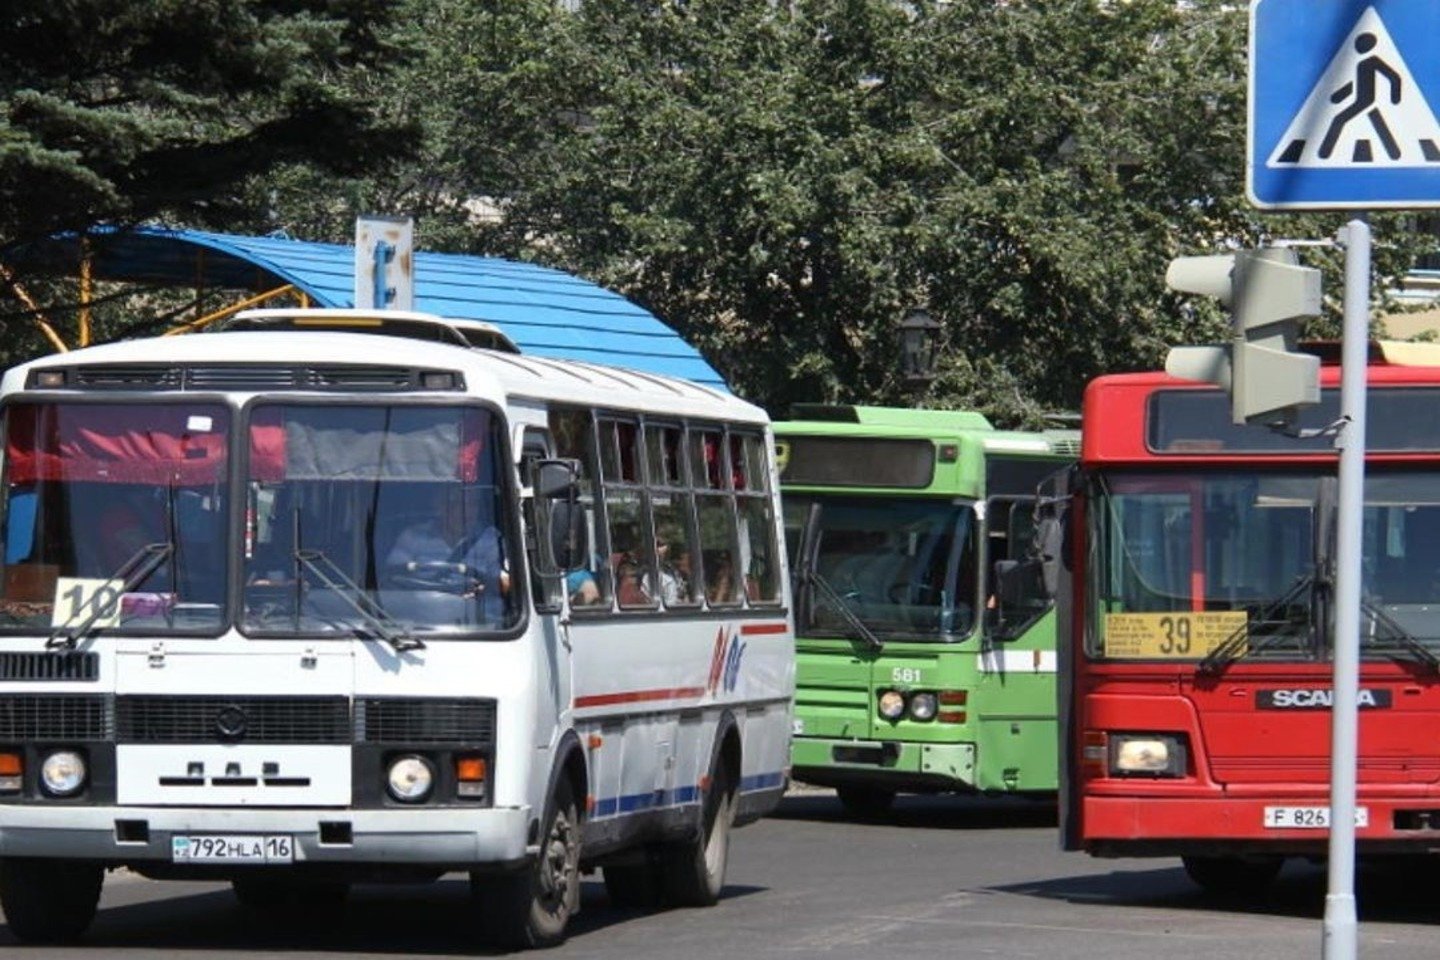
263,678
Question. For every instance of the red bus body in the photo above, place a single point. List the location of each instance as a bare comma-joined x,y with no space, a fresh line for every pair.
1174,515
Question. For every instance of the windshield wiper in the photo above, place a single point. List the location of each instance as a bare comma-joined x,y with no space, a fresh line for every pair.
377,619
133,572
836,601
1242,643
1411,649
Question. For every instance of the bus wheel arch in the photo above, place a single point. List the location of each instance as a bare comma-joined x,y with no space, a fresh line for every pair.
532,907
692,871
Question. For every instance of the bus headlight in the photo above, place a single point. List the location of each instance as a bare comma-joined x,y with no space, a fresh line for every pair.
410,779
923,706
1147,755
63,773
892,705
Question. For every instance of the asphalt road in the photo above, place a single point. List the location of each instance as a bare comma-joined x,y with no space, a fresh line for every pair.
943,878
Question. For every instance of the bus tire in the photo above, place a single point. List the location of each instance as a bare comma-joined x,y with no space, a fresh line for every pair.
49,901
692,872
865,802
1233,876
532,908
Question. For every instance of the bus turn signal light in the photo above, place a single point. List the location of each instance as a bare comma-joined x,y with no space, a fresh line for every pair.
11,770
1094,753
470,773
952,699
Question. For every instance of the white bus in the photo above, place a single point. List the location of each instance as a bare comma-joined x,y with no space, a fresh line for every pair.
333,596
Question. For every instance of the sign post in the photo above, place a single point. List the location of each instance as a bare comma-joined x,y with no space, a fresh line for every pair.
1340,117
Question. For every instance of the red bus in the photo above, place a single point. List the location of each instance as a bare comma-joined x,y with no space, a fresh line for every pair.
1196,586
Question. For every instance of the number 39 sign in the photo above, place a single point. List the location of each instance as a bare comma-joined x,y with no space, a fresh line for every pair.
1179,635
78,597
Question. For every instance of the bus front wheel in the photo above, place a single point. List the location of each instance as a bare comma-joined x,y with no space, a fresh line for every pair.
1233,876
532,908
49,901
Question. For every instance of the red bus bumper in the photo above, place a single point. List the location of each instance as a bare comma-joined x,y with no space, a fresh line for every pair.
1174,826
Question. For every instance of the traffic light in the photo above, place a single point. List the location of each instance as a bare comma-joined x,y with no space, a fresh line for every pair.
1268,293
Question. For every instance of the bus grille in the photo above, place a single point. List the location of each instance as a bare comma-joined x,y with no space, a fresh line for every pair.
428,720
210,719
50,717
44,665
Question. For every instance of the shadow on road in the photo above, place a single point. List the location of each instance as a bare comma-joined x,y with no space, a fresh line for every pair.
438,919
938,811
1387,891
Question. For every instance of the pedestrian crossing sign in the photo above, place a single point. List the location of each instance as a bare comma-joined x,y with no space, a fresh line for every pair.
1343,95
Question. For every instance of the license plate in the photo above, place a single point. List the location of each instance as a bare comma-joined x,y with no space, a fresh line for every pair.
232,848
1308,818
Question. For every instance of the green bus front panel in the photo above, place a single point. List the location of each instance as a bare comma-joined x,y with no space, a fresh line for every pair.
1007,742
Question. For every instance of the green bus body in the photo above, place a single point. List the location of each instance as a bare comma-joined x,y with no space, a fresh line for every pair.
901,516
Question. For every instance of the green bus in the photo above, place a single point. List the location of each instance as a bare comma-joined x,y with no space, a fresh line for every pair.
925,660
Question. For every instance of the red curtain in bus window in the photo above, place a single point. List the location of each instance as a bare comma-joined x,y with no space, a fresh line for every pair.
116,444
349,443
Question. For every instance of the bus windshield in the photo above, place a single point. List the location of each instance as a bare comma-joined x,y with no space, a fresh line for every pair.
905,567
384,519
118,498
1243,543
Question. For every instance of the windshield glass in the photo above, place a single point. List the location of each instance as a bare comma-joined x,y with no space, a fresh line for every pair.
366,515
906,567
1402,556
88,488
1182,563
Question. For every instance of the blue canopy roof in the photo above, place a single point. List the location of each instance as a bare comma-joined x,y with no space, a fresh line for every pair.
545,312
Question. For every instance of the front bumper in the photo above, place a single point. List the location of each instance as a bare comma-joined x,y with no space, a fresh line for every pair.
887,763
1123,826
452,839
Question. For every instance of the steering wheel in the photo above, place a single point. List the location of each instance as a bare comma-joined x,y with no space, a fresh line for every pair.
449,576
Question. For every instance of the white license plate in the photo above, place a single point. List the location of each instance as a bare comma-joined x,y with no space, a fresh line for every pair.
1308,818
232,848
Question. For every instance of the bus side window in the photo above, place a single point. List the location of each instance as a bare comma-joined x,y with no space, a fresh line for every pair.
573,433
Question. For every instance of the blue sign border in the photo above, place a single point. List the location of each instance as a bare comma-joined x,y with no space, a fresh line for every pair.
1291,44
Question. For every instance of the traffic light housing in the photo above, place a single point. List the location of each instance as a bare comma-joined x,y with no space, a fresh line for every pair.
1268,294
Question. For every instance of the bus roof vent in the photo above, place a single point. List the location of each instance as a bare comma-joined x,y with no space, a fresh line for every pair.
116,376
386,323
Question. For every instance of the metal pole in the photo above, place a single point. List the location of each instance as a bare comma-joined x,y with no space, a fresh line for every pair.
1340,925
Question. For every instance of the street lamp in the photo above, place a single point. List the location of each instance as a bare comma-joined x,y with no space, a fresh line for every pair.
919,343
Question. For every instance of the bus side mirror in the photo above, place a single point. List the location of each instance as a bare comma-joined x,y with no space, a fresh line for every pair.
556,479
569,535
1020,595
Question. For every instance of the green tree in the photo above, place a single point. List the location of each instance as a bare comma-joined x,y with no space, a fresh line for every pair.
116,111
781,181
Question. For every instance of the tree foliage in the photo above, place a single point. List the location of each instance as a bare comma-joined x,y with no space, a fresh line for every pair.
117,111
781,181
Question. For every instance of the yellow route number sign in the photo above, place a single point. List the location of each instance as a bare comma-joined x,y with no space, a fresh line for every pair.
1176,635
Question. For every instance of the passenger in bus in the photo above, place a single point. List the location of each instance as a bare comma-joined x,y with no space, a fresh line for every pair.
627,565
719,577
582,588
674,586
